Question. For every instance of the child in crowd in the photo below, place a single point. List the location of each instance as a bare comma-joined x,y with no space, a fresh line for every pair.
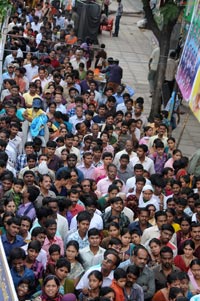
118,284
93,291
15,193
54,255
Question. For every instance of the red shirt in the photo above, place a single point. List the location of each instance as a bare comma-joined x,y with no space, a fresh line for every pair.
75,210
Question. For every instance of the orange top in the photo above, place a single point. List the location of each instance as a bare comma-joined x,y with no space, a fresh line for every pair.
118,291
70,39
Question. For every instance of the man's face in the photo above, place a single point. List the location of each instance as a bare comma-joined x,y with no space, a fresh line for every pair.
179,208
124,162
7,185
83,226
166,260
41,238
140,152
34,62
161,220
107,161
42,74
117,206
141,258
29,179
112,173
90,76
14,91
161,130
104,138
139,185
165,236
13,131
69,143
128,146
12,229
195,233
51,231
109,263
94,240
74,198
31,163
53,206
25,226
50,151
130,279
88,160
143,217
46,183
18,265
138,172
86,186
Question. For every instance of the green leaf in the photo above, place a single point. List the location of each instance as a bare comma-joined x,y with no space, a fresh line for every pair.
170,12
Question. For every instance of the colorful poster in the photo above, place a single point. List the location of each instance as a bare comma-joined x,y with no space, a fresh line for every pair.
195,97
190,59
188,11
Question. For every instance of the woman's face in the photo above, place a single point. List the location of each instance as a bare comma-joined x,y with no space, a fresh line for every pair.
155,248
170,218
113,231
183,183
126,239
171,144
51,288
177,156
52,109
71,253
188,251
152,211
74,176
185,227
64,156
22,289
61,272
10,207
196,271
110,296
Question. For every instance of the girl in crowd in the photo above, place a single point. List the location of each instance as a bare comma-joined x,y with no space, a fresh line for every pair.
127,247
62,269
93,290
6,216
171,213
155,246
183,261
184,232
176,155
73,256
113,231
194,275
50,289
9,205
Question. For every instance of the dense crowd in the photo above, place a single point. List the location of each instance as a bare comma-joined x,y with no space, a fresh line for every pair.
96,202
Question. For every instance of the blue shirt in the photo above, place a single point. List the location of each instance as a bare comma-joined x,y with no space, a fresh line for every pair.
28,274
8,246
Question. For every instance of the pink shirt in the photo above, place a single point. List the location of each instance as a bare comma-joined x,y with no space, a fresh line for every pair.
102,186
56,240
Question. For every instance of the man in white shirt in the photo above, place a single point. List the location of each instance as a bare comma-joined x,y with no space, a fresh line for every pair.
141,158
77,118
128,150
69,139
161,135
109,264
59,106
32,68
75,61
35,25
92,254
11,57
138,172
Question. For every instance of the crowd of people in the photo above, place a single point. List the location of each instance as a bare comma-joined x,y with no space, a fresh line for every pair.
96,202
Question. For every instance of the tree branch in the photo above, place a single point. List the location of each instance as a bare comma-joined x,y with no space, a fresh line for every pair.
150,19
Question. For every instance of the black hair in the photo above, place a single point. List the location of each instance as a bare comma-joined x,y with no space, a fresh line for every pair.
138,248
17,253
54,248
97,274
82,216
38,230
160,213
119,273
156,241
113,252
133,269
50,222
174,291
168,228
63,262
33,192
106,290
115,241
93,231
114,224
35,245
172,277
14,220
166,249
75,244
51,277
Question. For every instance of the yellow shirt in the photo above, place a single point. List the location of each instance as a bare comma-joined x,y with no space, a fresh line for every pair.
29,98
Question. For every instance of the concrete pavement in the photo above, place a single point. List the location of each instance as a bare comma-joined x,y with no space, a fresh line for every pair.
133,48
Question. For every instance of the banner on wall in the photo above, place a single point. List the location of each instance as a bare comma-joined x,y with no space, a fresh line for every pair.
190,59
195,96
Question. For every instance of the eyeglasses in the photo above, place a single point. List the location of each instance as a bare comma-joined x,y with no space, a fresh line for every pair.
109,261
86,185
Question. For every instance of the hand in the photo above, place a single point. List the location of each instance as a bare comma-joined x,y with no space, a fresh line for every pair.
85,291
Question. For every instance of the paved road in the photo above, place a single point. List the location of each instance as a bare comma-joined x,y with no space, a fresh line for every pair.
133,48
